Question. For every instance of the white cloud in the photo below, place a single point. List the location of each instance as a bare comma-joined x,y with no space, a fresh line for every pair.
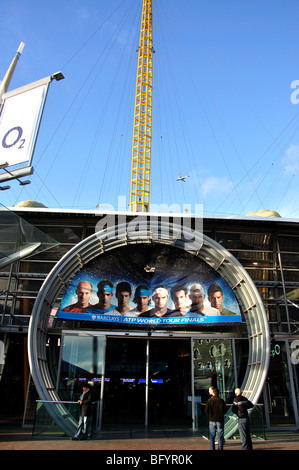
214,185
291,160
83,14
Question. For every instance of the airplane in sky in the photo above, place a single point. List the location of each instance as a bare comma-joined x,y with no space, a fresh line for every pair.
182,178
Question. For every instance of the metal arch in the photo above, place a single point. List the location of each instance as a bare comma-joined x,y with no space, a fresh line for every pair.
210,251
256,319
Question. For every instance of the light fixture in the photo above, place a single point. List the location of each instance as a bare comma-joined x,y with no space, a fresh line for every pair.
58,76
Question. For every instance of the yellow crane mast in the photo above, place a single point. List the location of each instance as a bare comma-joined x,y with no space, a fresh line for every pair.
142,133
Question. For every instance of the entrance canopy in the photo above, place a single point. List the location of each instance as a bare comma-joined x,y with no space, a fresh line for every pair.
18,238
160,234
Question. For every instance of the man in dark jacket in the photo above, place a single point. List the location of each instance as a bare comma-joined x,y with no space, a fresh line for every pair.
215,409
240,406
85,414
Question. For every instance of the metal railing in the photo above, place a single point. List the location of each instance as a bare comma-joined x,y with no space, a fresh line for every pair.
256,417
44,423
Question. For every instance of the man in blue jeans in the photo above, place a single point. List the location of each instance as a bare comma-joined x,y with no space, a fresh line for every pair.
240,406
215,409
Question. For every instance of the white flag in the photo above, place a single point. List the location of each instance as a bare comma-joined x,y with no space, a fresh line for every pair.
19,122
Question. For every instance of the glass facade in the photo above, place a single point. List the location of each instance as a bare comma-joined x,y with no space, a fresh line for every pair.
271,259
159,380
146,382
280,388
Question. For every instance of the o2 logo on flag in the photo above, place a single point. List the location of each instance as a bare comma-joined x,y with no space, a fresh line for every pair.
13,137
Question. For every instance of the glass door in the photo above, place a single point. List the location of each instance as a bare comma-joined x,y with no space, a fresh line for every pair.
278,387
169,398
147,382
125,374
213,365
82,361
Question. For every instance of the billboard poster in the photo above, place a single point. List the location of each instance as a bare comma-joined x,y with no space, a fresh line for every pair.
152,287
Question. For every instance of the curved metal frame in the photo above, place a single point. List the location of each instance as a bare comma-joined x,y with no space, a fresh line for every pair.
211,252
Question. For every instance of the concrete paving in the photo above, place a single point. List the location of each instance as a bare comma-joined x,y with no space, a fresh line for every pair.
14,437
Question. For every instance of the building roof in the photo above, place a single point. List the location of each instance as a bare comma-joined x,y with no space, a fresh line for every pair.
258,216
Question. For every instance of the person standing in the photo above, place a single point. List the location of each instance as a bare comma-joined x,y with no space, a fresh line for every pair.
215,409
85,414
240,406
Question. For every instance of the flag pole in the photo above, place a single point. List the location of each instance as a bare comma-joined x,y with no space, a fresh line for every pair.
8,76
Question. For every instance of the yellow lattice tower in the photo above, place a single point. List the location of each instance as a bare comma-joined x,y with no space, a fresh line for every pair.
142,134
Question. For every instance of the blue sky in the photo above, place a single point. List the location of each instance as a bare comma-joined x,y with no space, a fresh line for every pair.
222,107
